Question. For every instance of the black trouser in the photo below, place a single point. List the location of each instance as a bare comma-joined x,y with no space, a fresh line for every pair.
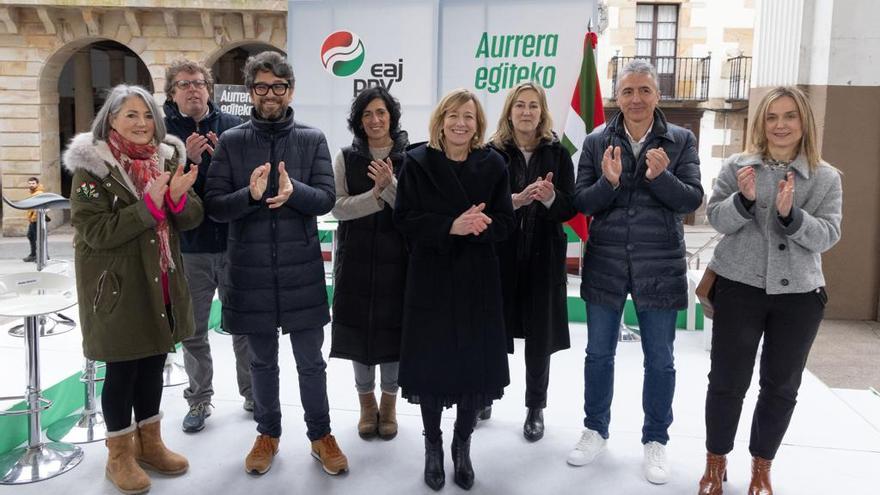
32,237
788,323
537,380
128,385
464,422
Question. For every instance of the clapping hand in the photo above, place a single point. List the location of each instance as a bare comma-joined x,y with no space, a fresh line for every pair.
657,161
543,189
196,144
611,165
259,179
785,195
745,180
285,188
157,189
473,221
382,172
182,182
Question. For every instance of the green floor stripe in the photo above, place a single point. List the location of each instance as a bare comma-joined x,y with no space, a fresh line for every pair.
67,397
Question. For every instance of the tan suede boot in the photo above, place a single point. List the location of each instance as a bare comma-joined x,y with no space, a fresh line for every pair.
369,421
151,451
388,416
122,469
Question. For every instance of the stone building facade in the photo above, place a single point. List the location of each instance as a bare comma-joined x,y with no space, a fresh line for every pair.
44,45
711,36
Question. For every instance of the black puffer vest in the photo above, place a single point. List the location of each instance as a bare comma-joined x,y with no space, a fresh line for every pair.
370,271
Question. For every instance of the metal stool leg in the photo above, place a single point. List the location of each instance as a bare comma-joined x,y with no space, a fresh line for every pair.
38,460
174,373
88,426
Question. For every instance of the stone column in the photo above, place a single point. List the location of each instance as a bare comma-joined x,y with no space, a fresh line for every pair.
84,99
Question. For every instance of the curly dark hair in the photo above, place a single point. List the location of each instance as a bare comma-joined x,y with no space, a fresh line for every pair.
359,104
268,61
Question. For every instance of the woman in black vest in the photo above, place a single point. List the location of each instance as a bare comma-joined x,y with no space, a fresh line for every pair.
533,278
371,257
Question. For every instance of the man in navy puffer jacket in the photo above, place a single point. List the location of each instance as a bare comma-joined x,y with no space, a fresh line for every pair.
637,177
270,179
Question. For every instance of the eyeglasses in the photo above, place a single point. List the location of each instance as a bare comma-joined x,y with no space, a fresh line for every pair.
184,84
278,89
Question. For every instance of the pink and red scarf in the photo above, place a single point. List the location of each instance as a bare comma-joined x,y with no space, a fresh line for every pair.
141,163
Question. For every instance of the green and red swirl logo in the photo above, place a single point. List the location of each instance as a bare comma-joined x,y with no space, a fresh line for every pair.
342,53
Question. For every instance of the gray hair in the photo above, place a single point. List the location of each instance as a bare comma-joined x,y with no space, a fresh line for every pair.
115,99
639,66
268,61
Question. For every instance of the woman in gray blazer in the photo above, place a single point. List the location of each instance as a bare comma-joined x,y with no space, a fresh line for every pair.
779,208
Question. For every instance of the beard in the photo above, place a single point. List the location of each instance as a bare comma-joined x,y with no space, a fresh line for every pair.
273,113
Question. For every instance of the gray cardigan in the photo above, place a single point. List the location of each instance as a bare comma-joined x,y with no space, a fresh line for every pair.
757,248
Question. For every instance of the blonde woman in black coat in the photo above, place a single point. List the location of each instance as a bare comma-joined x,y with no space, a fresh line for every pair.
453,205
533,277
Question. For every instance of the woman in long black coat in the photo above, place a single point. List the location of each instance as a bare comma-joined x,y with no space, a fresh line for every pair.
453,206
370,263
532,259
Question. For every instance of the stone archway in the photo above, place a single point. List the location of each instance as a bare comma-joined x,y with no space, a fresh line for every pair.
91,65
228,61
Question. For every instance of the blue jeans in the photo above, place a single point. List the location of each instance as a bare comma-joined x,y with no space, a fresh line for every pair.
658,335
310,368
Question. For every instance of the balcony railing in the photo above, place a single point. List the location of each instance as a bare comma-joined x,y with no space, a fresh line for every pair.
740,77
679,78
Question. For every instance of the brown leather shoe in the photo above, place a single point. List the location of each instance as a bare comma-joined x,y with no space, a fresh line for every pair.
369,422
328,453
760,484
151,452
388,416
716,473
259,459
121,468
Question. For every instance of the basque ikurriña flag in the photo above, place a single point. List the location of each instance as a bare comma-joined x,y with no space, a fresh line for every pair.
586,113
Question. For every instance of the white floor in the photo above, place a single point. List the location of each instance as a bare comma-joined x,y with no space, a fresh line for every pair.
832,446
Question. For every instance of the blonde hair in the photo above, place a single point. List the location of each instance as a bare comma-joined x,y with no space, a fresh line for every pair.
451,101
505,133
757,129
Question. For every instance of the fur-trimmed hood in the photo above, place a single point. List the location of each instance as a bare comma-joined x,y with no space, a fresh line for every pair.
92,155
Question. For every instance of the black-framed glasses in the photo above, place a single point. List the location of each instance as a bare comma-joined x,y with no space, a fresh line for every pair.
186,84
278,89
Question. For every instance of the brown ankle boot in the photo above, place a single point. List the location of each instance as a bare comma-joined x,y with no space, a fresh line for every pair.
388,416
716,473
369,422
122,469
760,484
151,451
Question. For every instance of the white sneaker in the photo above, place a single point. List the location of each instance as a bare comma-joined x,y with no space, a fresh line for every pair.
587,449
656,464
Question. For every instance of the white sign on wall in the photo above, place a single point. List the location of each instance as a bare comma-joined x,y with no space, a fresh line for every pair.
422,49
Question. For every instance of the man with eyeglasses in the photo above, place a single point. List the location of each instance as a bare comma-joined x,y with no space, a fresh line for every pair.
191,116
270,179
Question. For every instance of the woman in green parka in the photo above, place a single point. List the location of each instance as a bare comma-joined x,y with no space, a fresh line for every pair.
130,199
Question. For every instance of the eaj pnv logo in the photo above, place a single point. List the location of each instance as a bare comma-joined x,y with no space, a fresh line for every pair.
342,53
